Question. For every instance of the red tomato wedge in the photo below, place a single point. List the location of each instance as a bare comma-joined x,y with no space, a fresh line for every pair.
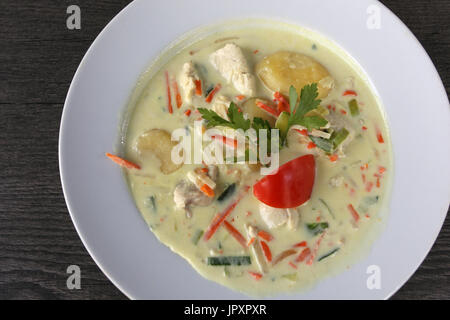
291,186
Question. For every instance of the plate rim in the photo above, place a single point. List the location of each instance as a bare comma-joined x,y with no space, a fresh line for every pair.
64,119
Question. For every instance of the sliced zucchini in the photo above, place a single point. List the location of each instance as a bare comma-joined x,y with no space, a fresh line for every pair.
229,261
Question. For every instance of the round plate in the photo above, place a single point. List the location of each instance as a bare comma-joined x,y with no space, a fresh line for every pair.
103,211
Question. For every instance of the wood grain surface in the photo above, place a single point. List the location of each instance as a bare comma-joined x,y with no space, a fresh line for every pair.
38,58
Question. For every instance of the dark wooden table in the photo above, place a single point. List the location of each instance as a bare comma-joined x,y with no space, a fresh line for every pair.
38,58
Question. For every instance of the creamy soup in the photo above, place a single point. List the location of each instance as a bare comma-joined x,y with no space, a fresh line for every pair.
256,233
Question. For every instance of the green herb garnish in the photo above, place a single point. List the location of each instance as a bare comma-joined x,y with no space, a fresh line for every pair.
229,261
317,227
236,121
151,203
328,254
322,143
290,276
354,108
308,102
198,234
300,114
330,145
208,90
328,207
367,202
227,192
338,137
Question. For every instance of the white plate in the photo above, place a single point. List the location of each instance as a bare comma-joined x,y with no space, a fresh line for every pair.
104,214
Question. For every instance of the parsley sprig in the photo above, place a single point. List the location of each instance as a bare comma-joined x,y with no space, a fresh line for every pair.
236,121
299,110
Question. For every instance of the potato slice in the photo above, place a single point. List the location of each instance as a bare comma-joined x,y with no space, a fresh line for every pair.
159,143
282,69
253,110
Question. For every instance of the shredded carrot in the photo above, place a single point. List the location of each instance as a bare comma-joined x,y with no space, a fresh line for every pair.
204,170
235,233
378,182
292,265
198,87
220,217
364,128
363,178
343,112
303,255
381,170
283,104
213,92
188,112
300,244
266,250
250,242
122,162
283,256
369,186
240,97
349,93
177,94
316,248
380,136
225,140
355,214
255,275
207,190
256,51
267,108
311,145
303,132
280,107
279,97
265,235
169,95
333,157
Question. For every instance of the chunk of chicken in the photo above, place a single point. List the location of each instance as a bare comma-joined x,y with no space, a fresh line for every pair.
232,65
273,217
336,181
221,105
187,79
187,194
